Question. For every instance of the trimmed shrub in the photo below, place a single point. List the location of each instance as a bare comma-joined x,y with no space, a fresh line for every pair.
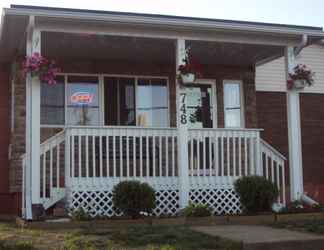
80,214
257,194
133,198
196,210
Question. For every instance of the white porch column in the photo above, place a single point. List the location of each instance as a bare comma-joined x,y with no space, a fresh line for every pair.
294,132
33,123
182,123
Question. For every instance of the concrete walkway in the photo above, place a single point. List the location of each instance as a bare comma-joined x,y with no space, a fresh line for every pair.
265,238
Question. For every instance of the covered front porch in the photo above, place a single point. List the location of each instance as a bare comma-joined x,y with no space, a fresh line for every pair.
111,118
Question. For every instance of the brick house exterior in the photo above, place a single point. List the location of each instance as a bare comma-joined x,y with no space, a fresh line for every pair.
139,51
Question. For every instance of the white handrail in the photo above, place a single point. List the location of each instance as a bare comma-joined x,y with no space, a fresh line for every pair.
273,164
266,144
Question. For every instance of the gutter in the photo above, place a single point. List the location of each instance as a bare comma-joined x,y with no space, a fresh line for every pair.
163,21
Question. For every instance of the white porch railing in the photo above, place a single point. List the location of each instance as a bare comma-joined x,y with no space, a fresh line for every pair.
52,169
273,165
84,163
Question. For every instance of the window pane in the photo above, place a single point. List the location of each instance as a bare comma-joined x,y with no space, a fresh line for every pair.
232,104
83,116
233,118
82,101
144,103
111,101
152,103
127,101
52,103
199,106
232,95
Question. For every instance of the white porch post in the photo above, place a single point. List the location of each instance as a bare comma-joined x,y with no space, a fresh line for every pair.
33,123
294,133
182,123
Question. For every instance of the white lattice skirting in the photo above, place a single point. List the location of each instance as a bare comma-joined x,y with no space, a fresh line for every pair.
222,200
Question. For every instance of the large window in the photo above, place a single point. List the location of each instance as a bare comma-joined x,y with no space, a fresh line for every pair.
85,100
233,104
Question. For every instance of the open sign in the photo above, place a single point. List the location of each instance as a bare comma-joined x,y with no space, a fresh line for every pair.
82,98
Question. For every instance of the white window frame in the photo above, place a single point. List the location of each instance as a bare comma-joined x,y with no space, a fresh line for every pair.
101,78
242,113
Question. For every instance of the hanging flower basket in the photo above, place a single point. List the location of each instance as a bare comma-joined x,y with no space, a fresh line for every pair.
300,84
188,78
41,67
189,70
301,77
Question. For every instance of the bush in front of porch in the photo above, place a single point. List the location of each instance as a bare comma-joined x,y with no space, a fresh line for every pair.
134,198
257,194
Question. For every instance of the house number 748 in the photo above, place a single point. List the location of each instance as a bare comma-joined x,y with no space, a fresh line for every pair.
183,109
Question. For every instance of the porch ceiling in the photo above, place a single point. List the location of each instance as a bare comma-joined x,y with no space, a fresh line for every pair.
103,47
233,53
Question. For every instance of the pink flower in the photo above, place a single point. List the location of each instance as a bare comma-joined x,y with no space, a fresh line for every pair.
40,66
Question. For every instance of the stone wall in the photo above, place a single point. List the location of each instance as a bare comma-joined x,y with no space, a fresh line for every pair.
17,138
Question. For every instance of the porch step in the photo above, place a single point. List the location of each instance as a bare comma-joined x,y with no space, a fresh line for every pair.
56,195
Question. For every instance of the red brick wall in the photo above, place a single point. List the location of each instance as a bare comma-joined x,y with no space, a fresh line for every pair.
312,128
9,202
272,117
4,128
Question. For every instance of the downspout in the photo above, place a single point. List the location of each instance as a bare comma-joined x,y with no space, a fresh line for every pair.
304,197
302,45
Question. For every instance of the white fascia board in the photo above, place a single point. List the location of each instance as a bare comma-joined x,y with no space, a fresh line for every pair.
2,25
165,21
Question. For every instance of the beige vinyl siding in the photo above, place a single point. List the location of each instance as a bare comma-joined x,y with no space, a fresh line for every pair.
271,76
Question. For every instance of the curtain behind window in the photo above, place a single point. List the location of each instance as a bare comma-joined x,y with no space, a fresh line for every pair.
232,104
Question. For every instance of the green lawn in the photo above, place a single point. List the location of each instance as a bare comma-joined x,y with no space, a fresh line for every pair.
313,226
123,237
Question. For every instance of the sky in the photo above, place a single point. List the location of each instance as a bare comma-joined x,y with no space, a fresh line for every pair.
298,12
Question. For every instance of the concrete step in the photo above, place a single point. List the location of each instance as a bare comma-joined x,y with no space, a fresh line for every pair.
265,238
287,245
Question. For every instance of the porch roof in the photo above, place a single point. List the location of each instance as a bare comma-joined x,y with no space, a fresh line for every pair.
15,19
